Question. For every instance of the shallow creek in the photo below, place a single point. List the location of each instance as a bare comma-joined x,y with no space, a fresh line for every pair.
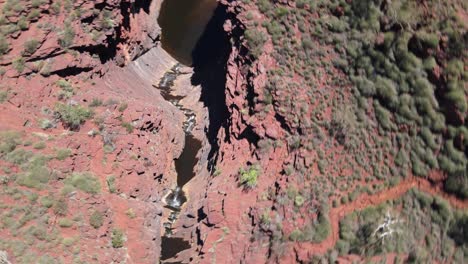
184,166
182,23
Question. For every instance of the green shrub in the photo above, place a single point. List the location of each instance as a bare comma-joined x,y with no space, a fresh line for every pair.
68,241
34,15
95,102
4,45
117,238
67,36
249,177
46,124
457,183
19,156
73,116
30,46
35,175
322,229
19,64
255,41
23,23
111,184
459,229
299,200
428,40
62,154
85,182
106,21
264,6
296,235
65,222
122,107
61,206
40,145
458,98
8,141
96,219
67,89
128,126
47,201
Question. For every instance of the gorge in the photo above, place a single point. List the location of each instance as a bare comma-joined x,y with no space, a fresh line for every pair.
233,131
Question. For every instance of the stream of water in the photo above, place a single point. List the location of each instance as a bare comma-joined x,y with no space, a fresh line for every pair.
182,23
184,166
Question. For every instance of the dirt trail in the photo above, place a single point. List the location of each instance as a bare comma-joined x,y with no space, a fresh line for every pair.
304,250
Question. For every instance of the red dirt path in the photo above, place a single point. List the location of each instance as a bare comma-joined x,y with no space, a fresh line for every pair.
305,250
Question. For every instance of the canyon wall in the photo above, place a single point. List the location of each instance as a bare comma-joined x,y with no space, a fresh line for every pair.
104,57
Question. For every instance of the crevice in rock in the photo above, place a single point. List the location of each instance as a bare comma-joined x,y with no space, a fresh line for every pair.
141,4
283,123
71,71
249,134
210,69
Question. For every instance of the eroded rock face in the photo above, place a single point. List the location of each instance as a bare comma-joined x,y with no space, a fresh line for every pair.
104,57
229,222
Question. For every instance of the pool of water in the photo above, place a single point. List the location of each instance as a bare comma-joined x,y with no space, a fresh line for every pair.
182,23
172,246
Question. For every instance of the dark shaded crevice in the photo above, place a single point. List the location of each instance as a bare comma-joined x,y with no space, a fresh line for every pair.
201,215
125,11
210,57
71,71
283,123
251,94
100,50
250,135
141,4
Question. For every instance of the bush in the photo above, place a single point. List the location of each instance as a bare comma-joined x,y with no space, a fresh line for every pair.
128,126
249,177
67,89
40,145
95,102
30,46
62,154
296,235
122,107
255,41
3,96
85,182
19,64
117,238
19,156
65,222
457,183
35,177
96,219
111,184
459,229
299,200
264,6
47,201
8,141
73,116
61,207
4,45
67,36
